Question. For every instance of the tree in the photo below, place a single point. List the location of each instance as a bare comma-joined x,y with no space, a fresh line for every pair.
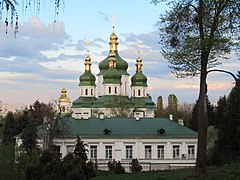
185,112
210,112
29,136
135,166
9,130
195,34
173,106
80,149
159,111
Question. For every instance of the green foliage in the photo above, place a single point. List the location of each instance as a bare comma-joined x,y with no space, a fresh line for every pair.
159,111
80,149
211,115
116,167
135,166
228,113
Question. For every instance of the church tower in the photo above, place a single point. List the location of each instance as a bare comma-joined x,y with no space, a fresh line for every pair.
121,67
64,102
82,106
144,106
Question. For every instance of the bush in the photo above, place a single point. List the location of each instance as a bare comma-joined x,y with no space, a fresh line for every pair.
135,166
116,167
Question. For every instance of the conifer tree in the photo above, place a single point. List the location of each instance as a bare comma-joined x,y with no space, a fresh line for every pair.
159,111
80,149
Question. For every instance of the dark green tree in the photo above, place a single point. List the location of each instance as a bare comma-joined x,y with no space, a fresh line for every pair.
159,111
211,115
194,35
135,166
9,130
80,149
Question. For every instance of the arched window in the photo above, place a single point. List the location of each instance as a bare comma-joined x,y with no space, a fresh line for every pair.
86,91
109,90
139,92
115,90
91,91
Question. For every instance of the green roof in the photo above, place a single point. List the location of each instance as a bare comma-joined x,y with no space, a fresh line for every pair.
128,128
109,101
139,79
112,76
87,79
83,102
121,65
143,102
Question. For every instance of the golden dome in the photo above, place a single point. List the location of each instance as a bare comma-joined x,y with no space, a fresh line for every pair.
63,97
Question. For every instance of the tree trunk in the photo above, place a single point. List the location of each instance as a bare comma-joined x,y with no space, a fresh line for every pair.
202,123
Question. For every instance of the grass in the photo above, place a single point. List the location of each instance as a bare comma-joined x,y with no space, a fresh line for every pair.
226,172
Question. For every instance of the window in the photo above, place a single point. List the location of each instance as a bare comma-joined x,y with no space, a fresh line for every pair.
191,151
86,91
91,91
81,92
148,152
160,152
176,151
133,92
108,152
115,90
139,92
144,93
93,152
109,90
129,152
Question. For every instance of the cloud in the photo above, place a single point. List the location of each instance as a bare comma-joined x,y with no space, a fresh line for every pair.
33,38
105,16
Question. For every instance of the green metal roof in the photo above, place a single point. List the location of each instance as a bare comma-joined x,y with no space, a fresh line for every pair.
87,79
143,102
128,128
112,101
112,76
139,79
121,65
83,102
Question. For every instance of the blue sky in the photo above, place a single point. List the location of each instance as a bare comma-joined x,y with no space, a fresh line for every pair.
44,57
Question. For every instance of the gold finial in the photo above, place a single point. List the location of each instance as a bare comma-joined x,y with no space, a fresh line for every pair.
112,60
139,59
87,63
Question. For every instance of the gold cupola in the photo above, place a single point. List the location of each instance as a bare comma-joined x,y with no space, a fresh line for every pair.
139,63
113,41
87,63
63,97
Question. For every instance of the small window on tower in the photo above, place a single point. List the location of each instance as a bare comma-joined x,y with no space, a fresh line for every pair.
109,90
91,91
86,91
139,92
115,90
133,92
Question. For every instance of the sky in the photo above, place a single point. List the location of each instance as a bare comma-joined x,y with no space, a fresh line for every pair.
45,56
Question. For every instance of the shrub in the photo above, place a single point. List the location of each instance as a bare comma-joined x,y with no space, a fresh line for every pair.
135,166
116,167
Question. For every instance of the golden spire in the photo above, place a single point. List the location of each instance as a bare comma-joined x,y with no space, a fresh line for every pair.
87,59
87,63
139,59
112,60
113,37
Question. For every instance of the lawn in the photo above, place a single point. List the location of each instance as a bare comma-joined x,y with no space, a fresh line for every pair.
228,172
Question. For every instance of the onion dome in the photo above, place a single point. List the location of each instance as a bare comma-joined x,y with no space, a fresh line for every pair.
87,78
112,75
121,64
139,79
63,97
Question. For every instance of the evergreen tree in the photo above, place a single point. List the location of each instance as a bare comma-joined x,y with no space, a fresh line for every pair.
159,111
211,115
135,166
9,130
80,149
